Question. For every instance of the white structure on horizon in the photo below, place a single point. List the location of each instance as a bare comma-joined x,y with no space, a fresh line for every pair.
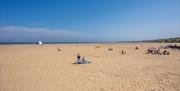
40,43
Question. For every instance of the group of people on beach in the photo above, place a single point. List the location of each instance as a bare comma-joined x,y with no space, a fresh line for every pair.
81,60
123,52
154,50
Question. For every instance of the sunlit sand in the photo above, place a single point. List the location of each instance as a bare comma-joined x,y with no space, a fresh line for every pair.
44,68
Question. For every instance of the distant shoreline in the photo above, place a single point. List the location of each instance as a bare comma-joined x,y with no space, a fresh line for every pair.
44,43
12,43
169,40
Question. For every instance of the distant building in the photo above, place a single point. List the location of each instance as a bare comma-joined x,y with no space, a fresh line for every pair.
40,43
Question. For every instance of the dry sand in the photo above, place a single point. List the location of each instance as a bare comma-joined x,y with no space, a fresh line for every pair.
43,68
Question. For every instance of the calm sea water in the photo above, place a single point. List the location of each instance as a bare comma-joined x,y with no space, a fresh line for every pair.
12,43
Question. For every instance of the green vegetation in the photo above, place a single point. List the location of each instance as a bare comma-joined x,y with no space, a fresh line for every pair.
169,40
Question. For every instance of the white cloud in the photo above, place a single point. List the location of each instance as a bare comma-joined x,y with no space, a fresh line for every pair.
23,33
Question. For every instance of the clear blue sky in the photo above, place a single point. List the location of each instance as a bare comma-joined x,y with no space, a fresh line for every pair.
88,20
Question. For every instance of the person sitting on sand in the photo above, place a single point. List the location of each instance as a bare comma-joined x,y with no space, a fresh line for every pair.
83,59
78,58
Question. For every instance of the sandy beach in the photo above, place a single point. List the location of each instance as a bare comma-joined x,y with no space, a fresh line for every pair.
43,68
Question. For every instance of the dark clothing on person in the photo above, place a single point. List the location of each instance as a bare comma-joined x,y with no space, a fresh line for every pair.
78,59
78,56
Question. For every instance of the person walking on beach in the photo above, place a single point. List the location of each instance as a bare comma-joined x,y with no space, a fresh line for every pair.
123,52
58,49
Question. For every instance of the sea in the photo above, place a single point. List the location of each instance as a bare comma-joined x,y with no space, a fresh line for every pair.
13,43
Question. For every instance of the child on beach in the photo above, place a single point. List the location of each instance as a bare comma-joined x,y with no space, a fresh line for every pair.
83,59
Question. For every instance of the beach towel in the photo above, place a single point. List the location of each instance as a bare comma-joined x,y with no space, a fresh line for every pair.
87,62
